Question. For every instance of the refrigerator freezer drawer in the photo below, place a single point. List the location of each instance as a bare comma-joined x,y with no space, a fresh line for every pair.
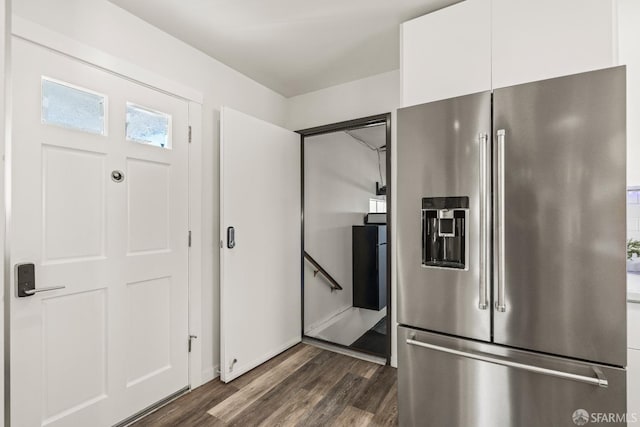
451,382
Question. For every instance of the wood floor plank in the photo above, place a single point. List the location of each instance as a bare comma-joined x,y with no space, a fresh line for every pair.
232,406
353,417
294,411
363,368
181,409
296,401
333,403
195,419
275,398
304,386
324,358
332,372
387,413
376,389
246,378
202,420
327,362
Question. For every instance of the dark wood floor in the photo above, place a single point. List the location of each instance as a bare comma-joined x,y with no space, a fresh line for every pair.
304,386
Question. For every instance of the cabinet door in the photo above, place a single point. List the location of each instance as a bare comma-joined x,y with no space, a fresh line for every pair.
446,53
629,50
633,325
536,40
633,382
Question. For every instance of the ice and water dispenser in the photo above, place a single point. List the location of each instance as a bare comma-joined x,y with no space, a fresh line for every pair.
444,232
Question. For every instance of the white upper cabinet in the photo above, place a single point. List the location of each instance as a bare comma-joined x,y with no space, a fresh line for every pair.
477,45
541,39
629,42
446,53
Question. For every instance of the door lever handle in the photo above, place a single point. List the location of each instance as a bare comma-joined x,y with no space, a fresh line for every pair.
26,281
30,292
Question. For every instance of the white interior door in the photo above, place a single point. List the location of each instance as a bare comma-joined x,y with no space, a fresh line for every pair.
113,340
260,276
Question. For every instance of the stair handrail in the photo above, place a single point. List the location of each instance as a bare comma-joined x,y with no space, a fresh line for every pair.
333,283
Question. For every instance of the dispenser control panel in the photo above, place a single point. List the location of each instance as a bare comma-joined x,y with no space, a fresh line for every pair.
444,232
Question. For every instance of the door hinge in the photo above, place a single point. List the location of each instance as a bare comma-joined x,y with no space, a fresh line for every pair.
189,134
189,238
191,338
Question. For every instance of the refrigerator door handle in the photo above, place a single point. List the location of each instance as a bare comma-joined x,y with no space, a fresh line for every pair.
599,380
500,303
485,193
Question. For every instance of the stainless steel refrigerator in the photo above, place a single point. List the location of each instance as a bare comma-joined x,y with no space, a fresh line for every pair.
511,255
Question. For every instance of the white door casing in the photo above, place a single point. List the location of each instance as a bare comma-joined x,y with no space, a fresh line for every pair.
114,341
5,76
260,288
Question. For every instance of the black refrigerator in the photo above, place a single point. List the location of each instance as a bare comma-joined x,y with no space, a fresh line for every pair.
369,250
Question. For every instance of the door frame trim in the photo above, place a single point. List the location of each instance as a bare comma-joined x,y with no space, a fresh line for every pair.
5,209
34,33
68,46
377,119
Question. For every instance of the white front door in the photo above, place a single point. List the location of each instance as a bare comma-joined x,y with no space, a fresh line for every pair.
260,269
99,206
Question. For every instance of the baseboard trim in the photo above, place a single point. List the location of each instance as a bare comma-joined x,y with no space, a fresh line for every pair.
342,350
323,323
150,409
210,374
257,362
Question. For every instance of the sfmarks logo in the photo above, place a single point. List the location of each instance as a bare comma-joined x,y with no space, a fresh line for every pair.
580,417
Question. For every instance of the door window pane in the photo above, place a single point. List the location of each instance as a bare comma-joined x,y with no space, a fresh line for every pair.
148,126
72,108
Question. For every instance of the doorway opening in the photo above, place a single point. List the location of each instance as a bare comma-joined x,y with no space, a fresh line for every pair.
346,254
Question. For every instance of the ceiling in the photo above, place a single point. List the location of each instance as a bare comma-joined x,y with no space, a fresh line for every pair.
374,136
290,46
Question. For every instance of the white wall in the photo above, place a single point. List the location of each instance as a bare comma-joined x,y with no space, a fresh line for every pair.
104,26
340,178
360,98
629,54
369,96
